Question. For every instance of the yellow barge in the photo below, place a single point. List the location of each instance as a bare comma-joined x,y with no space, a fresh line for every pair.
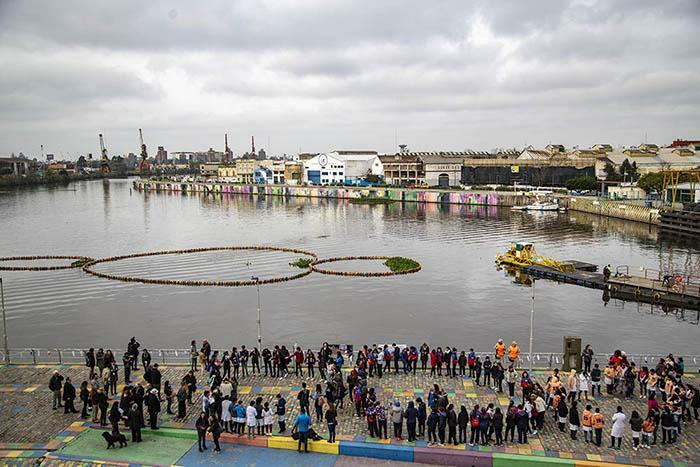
523,254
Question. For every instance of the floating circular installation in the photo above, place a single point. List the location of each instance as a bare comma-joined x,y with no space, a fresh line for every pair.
413,266
78,262
200,283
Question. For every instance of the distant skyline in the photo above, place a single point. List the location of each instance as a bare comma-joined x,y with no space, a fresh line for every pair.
312,76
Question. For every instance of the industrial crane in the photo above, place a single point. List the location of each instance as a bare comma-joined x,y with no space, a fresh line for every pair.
104,160
227,150
144,166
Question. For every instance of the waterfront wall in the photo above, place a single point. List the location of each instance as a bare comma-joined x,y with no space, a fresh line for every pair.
396,194
618,209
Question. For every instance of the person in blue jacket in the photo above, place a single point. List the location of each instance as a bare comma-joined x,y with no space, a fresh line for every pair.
301,424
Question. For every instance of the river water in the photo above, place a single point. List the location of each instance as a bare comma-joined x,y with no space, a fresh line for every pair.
459,298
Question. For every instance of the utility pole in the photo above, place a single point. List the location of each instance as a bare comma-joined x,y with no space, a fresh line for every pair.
4,323
257,285
532,320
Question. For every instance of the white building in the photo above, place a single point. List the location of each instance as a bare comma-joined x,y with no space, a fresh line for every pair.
324,169
342,167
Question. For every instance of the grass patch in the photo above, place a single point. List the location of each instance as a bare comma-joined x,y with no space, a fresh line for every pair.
400,264
302,263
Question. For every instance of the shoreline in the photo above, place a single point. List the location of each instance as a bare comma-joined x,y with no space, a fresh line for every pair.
625,210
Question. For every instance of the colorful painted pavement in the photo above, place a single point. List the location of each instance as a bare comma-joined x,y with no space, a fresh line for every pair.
29,428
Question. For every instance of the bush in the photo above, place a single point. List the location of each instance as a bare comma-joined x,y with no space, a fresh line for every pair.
302,263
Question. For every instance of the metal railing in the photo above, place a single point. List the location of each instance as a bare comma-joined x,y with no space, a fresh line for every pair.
541,360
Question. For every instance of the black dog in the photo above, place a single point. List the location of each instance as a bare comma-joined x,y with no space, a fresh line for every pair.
111,439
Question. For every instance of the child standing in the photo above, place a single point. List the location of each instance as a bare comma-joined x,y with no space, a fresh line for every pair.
267,419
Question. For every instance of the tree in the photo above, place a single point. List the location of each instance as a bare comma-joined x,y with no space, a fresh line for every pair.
651,182
582,183
611,174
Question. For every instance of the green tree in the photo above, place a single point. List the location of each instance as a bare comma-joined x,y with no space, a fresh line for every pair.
650,182
582,183
611,174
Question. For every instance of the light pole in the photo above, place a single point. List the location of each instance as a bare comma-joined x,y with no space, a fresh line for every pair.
4,323
532,320
257,285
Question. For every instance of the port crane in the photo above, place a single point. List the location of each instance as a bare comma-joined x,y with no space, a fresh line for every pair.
144,166
104,159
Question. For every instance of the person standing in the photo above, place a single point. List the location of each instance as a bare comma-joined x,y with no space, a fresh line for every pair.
55,385
155,377
69,397
451,426
618,428
636,428
182,401
513,354
85,399
587,424
215,430
587,358
432,427
281,411
301,424
126,361
135,419
422,416
202,424
331,421
462,423
411,415
115,415
397,419
255,360
303,398
382,428
598,423
497,423
194,355
90,359
153,405
145,359
574,420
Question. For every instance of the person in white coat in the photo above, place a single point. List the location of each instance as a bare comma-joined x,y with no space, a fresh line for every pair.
226,418
618,427
250,415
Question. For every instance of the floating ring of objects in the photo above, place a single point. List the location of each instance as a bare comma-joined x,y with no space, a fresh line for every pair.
314,267
79,262
200,283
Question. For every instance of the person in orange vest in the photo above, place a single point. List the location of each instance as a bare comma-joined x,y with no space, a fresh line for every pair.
587,423
598,422
513,353
500,349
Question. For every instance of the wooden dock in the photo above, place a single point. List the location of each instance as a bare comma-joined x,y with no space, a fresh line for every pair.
644,289
682,223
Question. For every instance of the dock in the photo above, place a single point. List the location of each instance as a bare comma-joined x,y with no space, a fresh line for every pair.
682,295
584,275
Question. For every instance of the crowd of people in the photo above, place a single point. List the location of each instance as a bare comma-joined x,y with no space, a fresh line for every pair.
569,397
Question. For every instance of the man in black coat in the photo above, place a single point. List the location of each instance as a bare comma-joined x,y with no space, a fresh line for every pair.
135,422
69,397
153,404
155,377
133,350
55,384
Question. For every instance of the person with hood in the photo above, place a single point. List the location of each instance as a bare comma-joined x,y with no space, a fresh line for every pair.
432,422
451,425
397,418
153,405
411,415
68,397
462,423
135,419
55,385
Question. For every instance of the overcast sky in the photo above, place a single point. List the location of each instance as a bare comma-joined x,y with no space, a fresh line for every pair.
316,75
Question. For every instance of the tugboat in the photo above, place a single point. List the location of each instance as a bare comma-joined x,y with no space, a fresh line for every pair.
524,254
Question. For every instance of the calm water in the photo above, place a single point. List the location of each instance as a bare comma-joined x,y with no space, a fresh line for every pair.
459,298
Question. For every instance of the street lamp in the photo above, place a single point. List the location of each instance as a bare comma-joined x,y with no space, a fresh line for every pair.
257,285
4,323
532,320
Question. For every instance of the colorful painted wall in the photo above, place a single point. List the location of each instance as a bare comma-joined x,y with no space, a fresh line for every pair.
408,195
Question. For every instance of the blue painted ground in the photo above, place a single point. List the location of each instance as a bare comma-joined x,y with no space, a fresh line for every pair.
232,454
